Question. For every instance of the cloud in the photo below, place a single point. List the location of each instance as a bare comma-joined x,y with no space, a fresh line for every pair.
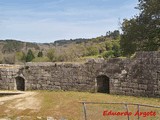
60,19
42,31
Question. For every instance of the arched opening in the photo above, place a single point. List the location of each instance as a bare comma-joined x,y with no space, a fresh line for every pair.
103,84
20,83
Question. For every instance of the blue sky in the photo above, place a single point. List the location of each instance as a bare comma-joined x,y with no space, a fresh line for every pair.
50,20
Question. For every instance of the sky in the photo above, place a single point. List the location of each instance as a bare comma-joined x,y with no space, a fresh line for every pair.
45,21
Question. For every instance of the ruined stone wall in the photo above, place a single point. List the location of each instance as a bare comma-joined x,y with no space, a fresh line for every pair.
54,76
138,76
7,76
71,76
143,76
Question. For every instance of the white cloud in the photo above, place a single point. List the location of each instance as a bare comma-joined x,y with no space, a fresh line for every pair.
47,26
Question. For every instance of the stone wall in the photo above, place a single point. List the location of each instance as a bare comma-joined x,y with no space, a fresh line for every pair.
8,73
138,76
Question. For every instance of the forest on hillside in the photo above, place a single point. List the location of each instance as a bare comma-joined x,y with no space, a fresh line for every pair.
77,50
139,33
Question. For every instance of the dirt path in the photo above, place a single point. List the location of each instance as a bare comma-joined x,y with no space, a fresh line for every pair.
22,101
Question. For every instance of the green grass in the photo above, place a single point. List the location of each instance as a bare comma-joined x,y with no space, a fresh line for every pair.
41,59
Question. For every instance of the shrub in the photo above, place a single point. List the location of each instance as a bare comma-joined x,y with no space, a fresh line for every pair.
30,56
51,55
108,54
91,51
41,59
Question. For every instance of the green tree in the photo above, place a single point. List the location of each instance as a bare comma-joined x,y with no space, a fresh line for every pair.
30,56
150,17
114,35
108,54
128,41
20,56
40,54
51,55
91,50
143,31
116,48
108,45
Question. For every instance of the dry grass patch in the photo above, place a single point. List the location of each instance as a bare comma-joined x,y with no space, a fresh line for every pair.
66,105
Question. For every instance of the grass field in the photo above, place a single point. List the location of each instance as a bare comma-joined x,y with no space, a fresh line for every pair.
66,105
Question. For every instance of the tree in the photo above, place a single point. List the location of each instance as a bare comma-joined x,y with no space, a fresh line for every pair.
108,45
91,51
30,56
150,18
128,42
40,54
116,48
1,57
114,35
108,54
112,49
9,58
51,55
11,46
143,31
20,56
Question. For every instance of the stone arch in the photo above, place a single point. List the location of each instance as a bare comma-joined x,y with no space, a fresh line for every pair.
103,84
20,83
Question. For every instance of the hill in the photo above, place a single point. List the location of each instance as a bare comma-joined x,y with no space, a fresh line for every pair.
16,51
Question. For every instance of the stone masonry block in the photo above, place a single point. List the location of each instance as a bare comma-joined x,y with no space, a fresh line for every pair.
142,87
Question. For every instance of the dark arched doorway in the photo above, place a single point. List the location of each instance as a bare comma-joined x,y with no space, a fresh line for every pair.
102,84
20,83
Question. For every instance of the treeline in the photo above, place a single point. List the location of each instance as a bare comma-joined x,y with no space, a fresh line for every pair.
99,47
61,51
